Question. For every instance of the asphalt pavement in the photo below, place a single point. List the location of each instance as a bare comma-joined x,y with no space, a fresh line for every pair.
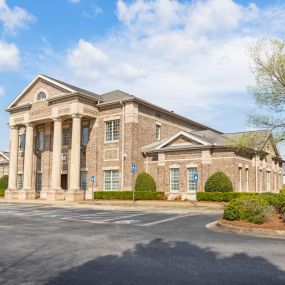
69,245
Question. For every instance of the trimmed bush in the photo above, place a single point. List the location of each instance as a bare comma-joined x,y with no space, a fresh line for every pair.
128,195
222,197
145,182
275,200
219,182
251,209
3,184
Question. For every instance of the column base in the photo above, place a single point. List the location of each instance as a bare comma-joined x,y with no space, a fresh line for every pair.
88,194
27,194
55,194
77,195
12,194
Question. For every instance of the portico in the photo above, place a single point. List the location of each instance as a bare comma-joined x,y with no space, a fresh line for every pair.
36,167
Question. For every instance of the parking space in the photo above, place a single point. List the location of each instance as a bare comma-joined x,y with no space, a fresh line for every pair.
89,215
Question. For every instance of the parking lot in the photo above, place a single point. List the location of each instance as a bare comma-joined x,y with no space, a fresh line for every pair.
93,216
78,245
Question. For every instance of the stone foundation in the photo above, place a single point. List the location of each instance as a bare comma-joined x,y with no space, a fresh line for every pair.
56,194
74,195
12,194
27,194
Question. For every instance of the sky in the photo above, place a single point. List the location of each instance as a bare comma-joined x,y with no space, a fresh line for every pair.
187,56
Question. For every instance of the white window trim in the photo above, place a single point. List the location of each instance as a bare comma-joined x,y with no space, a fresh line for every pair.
188,190
111,120
159,133
170,180
240,178
119,179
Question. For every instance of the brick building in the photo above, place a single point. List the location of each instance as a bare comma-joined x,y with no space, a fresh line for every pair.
61,135
4,163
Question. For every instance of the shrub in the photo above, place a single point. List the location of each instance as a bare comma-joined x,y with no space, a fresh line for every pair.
252,209
128,195
222,197
3,184
219,182
145,182
282,190
275,200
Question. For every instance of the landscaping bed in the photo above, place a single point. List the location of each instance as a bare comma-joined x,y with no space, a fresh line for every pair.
275,223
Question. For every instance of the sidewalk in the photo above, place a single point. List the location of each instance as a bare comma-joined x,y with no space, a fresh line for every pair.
138,205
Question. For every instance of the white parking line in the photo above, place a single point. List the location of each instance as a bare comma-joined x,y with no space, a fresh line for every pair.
165,220
124,217
85,215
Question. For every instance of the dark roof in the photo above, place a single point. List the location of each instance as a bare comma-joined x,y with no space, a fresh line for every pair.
7,154
213,138
116,95
84,91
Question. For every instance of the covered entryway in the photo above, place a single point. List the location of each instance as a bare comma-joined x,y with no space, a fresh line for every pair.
64,181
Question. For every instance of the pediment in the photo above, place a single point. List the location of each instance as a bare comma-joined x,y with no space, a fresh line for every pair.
39,84
182,138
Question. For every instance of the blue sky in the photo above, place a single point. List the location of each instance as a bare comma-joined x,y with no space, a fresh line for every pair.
187,56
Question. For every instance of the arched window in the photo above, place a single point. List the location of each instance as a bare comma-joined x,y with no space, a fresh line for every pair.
41,96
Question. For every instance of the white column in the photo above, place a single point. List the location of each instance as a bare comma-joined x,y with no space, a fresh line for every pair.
13,162
75,154
56,155
28,160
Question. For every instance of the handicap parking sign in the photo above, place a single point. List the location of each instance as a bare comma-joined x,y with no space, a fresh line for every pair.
134,168
196,177
92,178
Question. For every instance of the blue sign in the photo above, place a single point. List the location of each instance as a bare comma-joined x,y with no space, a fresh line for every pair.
134,168
93,179
196,177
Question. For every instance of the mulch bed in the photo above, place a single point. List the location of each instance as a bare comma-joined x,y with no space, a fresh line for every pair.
276,223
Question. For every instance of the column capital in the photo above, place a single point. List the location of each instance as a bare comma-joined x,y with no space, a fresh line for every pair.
29,124
76,116
14,127
57,119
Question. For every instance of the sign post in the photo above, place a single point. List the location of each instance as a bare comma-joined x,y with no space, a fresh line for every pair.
134,169
92,181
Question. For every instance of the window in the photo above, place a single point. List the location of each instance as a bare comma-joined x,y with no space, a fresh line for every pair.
268,181
85,135
65,137
240,178
83,180
246,179
174,180
64,157
192,184
20,181
22,139
40,140
111,179
112,130
157,132
39,182
41,96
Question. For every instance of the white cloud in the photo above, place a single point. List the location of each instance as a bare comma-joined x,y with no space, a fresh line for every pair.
9,56
2,91
14,18
187,56
74,1
92,12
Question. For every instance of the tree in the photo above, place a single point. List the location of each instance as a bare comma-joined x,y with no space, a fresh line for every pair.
268,58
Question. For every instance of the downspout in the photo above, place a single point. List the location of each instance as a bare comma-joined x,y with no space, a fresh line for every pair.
123,147
256,184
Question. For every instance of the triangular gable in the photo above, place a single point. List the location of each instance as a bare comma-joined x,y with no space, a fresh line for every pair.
44,78
181,137
3,155
272,145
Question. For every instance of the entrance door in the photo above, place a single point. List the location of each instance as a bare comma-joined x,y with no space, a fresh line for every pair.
64,181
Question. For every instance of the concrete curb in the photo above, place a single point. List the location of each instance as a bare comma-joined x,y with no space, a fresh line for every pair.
256,232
